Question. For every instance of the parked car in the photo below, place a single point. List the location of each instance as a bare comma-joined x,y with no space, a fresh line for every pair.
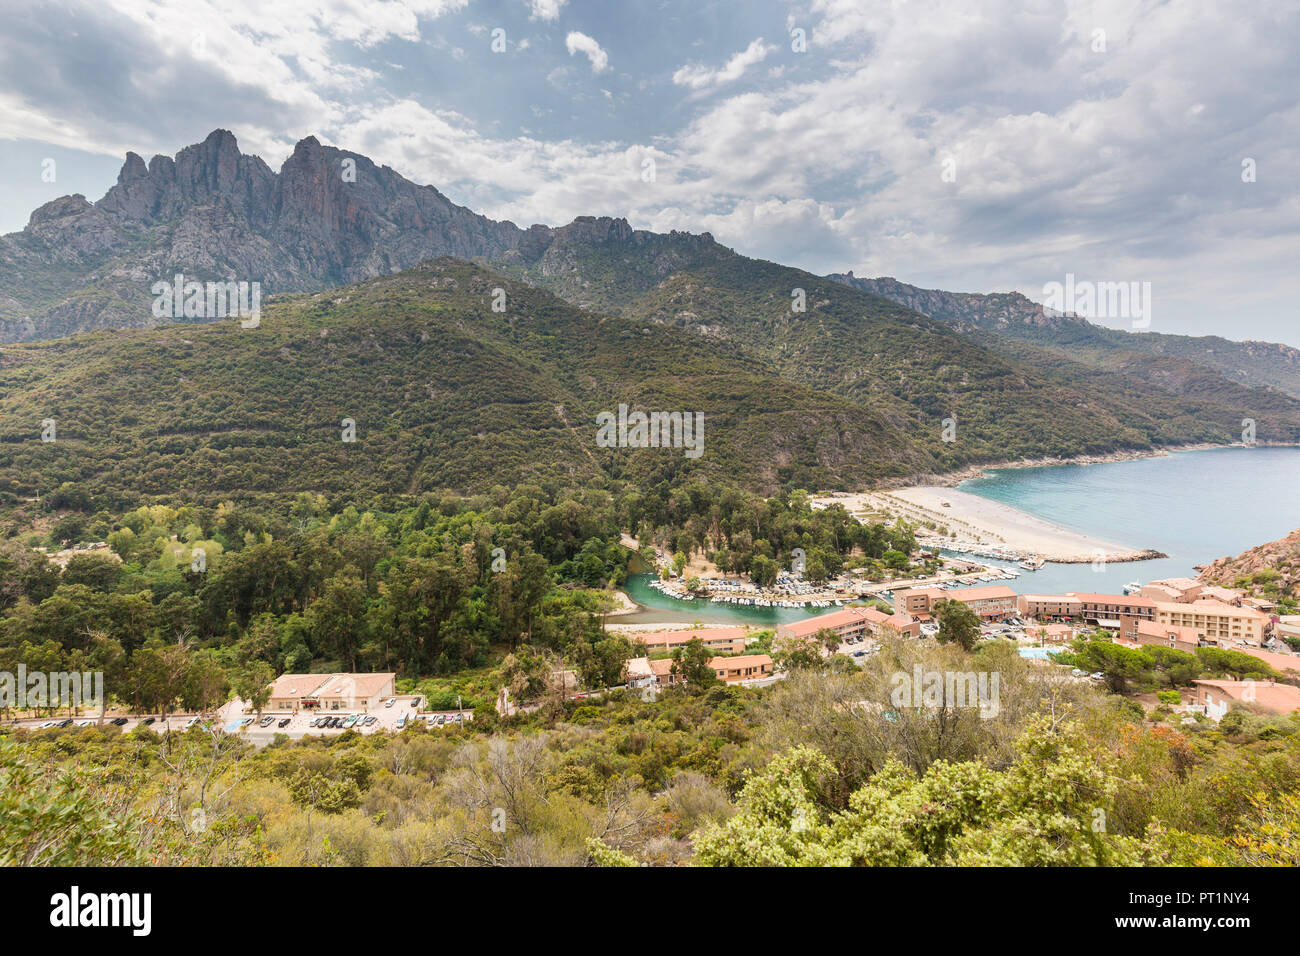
390,702
66,723
84,723
191,722
349,721
147,721
48,724
371,721
119,722
284,722
266,721
401,722
416,702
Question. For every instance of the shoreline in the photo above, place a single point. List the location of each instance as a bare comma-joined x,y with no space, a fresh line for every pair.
982,523
951,479
625,604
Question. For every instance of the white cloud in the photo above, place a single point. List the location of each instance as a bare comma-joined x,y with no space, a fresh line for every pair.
581,43
546,9
1122,165
701,77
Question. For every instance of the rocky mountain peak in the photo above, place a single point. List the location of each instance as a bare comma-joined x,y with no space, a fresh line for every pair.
133,169
59,208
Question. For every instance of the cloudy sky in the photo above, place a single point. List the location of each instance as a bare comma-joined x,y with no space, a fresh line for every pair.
971,145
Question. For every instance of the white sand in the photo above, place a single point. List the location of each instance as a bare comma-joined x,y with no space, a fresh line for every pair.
980,521
623,604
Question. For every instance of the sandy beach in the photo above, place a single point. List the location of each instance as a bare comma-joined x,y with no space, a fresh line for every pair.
981,522
625,605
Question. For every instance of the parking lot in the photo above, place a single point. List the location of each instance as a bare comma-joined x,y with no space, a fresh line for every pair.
858,648
402,712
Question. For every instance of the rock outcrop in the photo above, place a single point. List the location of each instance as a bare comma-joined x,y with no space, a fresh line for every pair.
328,217
1281,556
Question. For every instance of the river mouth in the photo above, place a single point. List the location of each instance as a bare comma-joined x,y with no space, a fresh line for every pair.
658,608
1195,506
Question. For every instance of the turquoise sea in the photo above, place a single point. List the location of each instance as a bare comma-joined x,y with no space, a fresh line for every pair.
1194,506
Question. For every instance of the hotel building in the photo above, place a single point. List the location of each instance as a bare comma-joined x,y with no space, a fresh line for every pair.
1214,621
1047,607
992,603
726,640
852,622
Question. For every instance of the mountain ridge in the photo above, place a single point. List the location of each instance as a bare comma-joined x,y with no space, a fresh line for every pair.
312,229
212,212
445,393
1013,315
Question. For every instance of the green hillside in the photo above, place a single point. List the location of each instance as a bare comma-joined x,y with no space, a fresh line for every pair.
1010,398
445,393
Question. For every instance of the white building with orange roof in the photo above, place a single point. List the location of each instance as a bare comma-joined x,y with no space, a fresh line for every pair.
638,673
1226,595
1161,592
991,603
1217,697
851,623
746,667
1187,589
1047,607
352,692
1178,637
727,640
1214,621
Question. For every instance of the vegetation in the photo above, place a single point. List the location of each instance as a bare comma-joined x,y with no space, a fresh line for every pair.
468,540
1148,668
188,602
1010,398
820,769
